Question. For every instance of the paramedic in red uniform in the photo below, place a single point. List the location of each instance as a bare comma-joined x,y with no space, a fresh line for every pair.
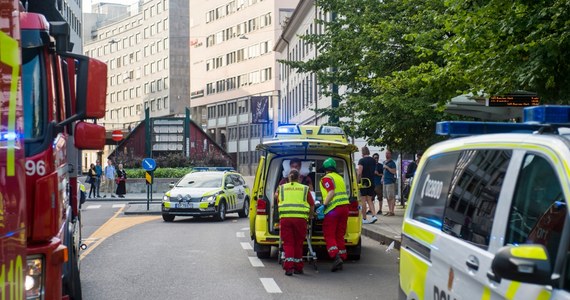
295,207
336,209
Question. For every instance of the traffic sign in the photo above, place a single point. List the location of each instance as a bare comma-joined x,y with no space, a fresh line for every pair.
117,135
149,164
149,177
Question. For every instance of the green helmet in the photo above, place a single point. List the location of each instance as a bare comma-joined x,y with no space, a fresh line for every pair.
329,163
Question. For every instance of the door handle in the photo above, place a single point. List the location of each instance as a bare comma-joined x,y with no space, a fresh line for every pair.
491,275
472,263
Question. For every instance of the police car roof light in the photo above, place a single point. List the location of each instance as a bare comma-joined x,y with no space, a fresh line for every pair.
547,114
331,130
288,129
203,169
465,128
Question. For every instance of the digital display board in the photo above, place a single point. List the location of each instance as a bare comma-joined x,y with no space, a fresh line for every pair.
514,100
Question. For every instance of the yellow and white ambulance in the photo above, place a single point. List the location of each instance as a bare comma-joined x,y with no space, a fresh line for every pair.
312,145
487,217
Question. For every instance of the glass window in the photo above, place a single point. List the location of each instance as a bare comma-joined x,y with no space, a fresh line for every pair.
472,201
33,93
539,208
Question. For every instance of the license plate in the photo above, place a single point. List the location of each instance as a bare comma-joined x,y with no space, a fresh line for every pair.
182,205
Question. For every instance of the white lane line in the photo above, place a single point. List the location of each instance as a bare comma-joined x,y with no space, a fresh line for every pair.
118,205
245,228
270,285
240,234
93,206
256,262
246,246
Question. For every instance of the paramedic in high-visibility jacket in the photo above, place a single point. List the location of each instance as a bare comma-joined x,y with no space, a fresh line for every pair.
336,210
296,206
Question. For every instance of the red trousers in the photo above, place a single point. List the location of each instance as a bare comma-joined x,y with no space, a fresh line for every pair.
293,232
334,229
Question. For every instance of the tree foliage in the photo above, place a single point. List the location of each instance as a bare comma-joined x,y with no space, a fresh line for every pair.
400,61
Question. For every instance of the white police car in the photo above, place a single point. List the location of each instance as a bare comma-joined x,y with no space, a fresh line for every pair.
487,217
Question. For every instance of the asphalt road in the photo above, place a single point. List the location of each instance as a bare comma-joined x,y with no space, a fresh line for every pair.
134,257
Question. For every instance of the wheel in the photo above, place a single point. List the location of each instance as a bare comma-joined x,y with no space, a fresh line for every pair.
221,215
262,251
244,213
72,287
354,252
168,218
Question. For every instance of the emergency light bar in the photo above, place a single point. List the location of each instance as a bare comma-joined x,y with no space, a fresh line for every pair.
288,129
466,128
535,118
547,114
204,169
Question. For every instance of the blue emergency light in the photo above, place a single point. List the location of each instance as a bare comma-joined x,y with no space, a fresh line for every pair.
288,129
547,114
535,118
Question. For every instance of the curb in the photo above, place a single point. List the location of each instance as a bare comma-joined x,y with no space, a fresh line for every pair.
384,237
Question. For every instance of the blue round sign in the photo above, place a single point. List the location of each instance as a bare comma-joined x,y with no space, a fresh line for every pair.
149,164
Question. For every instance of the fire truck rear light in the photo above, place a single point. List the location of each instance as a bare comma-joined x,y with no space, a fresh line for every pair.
34,282
353,209
261,207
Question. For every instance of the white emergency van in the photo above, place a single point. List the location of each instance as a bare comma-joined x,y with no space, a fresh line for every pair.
487,215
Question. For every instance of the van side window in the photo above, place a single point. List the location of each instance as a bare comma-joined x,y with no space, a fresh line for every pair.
476,185
430,193
538,209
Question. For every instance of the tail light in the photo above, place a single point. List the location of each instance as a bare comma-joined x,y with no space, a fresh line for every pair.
353,209
261,207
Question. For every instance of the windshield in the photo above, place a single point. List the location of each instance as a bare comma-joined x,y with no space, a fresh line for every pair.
32,93
201,180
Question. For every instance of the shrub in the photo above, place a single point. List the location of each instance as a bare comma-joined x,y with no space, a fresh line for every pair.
159,172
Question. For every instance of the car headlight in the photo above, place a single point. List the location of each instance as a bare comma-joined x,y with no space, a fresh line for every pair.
166,197
34,283
210,199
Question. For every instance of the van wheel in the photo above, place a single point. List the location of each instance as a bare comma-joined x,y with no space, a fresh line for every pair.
245,211
221,215
168,218
262,251
354,252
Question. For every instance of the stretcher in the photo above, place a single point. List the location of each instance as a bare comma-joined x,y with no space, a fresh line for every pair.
310,257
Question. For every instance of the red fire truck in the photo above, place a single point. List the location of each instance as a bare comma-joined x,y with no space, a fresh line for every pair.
46,94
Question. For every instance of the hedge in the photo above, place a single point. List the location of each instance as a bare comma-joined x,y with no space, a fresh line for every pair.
159,173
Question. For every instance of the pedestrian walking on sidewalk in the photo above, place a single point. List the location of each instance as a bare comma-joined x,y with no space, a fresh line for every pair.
333,190
366,167
296,205
99,172
121,181
390,183
109,178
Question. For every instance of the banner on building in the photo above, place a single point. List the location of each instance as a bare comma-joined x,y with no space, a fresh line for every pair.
259,109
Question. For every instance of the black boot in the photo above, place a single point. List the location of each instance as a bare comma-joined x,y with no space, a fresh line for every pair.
337,264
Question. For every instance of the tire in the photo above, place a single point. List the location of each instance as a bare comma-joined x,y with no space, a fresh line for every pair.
262,251
244,213
221,214
354,252
72,288
168,218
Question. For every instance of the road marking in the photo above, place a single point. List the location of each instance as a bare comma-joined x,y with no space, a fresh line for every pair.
270,285
118,205
240,234
93,206
256,262
112,226
245,228
246,246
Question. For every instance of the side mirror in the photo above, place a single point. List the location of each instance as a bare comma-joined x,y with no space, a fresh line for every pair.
364,183
230,186
171,185
89,136
524,263
87,79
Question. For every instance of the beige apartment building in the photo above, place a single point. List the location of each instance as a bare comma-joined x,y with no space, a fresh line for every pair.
233,68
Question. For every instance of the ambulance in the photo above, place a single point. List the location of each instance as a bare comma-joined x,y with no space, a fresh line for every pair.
487,217
312,145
